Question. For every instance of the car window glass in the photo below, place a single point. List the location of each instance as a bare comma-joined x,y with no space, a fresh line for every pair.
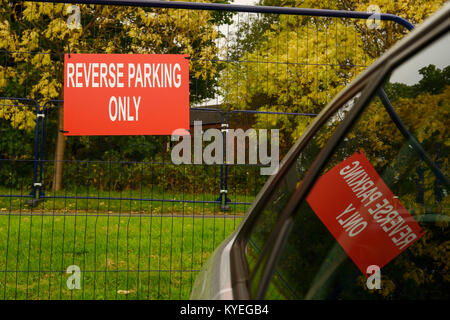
404,136
288,184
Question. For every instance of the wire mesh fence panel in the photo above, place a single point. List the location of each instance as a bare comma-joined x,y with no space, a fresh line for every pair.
113,217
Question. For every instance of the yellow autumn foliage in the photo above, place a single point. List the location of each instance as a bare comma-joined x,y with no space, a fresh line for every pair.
300,63
35,36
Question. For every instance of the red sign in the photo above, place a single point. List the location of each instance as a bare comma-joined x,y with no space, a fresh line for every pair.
125,94
362,214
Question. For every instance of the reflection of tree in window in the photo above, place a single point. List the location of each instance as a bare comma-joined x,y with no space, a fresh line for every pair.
313,265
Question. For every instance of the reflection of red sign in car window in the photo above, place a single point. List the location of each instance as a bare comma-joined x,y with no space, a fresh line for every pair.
360,211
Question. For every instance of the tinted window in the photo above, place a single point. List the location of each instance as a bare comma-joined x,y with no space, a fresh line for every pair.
313,265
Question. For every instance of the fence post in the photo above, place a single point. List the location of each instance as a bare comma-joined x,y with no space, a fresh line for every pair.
223,198
226,200
41,153
36,193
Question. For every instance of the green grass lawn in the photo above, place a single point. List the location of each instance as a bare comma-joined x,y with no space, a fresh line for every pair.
120,257
126,249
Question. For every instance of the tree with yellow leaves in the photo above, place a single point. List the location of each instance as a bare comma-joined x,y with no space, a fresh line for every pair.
35,36
298,63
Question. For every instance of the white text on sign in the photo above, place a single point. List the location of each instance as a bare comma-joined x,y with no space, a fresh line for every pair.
383,212
119,108
112,75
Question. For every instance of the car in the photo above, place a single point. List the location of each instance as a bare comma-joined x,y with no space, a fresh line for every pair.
359,208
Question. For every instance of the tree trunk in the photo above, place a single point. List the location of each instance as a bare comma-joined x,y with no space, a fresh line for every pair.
59,151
